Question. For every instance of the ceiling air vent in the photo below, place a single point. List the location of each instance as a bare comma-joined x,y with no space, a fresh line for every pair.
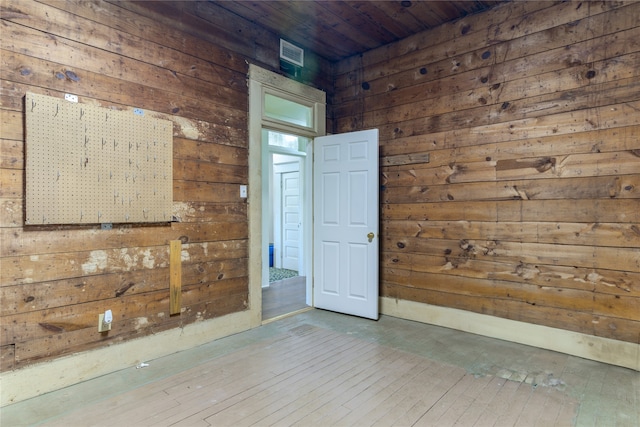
291,53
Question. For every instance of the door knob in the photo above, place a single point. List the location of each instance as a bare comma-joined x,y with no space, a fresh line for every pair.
370,236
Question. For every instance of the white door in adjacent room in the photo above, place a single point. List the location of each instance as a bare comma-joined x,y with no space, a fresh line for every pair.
345,258
291,220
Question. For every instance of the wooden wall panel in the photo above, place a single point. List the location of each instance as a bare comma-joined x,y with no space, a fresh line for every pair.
55,280
526,203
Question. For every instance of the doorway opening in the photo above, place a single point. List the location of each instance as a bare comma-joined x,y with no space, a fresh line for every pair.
284,117
286,290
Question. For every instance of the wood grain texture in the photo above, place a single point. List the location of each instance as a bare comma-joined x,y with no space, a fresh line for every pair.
119,55
509,152
175,276
347,28
527,207
309,375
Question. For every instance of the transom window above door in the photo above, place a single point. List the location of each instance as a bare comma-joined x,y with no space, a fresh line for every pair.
285,140
285,110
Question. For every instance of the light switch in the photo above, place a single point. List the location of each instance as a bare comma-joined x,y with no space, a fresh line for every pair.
243,191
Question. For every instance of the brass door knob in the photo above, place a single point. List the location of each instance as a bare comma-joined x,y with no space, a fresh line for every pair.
370,236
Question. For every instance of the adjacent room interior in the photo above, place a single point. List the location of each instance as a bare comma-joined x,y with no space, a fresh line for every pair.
157,186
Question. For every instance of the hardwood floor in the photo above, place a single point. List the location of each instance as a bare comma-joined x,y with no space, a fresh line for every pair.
320,368
283,297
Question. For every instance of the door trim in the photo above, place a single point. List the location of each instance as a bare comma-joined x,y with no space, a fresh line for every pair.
262,81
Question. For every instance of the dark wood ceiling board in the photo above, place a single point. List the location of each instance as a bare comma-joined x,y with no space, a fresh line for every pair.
244,9
317,25
447,10
401,15
476,6
356,21
332,13
455,10
258,41
468,7
338,29
425,10
299,31
378,17
240,34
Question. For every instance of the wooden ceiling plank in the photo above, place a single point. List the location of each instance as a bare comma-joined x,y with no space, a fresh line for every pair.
402,16
337,29
386,36
424,11
339,17
378,17
446,10
313,23
278,18
356,20
240,8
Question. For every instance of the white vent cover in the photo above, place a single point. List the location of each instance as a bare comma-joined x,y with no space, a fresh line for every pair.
291,53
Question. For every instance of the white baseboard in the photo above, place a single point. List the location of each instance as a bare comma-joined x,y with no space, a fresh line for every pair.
605,350
34,380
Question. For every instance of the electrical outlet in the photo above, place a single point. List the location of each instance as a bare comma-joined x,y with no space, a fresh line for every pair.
102,326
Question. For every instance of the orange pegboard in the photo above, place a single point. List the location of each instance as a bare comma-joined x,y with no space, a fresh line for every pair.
87,164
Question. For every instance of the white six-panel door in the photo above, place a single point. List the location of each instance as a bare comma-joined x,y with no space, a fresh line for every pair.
291,220
345,227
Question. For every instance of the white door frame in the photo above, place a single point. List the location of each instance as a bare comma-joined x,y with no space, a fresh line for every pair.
262,81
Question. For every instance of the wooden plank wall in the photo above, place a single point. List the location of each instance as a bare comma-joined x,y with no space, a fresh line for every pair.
163,58
510,153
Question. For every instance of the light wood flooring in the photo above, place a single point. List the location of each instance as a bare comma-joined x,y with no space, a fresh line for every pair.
319,368
283,297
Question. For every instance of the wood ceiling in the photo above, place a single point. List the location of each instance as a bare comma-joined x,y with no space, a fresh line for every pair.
337,29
